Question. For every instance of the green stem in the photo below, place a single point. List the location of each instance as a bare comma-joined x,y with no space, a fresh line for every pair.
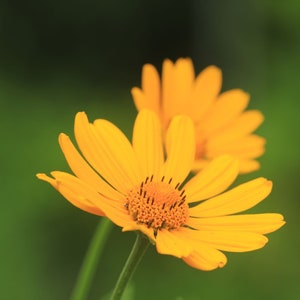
90,262
139,248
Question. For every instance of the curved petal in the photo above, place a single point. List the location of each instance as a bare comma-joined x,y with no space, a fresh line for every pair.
108,151
170,243
258,223
227,107
77,200
180,144
147,142
248,165
206,258
213,179
167,90
231,241
86,198
245,124
142,228
206,88
250,146
83,170
236,200
149,96
184,77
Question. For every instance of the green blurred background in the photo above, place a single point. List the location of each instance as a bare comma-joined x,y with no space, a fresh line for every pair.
60,57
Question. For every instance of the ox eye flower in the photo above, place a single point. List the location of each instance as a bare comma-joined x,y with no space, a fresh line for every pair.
223,126
139,189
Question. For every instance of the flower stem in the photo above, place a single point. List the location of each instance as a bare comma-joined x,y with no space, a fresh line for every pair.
139,248
90,262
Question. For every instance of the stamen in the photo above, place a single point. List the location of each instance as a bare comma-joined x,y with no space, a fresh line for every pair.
158,205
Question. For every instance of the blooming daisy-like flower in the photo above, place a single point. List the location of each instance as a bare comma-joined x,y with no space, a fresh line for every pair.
222,124
139,188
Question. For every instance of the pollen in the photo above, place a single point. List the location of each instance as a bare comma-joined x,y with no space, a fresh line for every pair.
158,204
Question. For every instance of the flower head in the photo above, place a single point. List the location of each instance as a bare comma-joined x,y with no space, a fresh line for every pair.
222,124
139,188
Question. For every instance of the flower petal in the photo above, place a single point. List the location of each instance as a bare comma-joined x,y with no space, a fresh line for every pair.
206,88
147,142
236,200
82,169
170,243
206,258
108,151
258,223
180,144
243,125
149,96
213,179
81,202
231,241
86,198
248,165
250,146
227,107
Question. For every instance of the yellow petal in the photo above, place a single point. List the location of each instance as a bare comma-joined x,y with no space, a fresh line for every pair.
147,142
206,258
167,90
251,146
77,200
82,170
236,200
258,223
169,243
229,241
108,151
149,96
180,144
184,77
86,198
227,107
206,88
248,165
245,124
213,179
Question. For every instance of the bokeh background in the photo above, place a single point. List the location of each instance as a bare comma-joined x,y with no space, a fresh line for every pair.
60,57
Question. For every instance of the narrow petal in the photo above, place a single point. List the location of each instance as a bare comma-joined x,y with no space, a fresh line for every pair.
234,241
258,223
184,77
250,146
206,258
147,142
180,144
77,200
206,88
227,107
142,228
108,151
213,179
82,169
168,91
149,96
236,200
170,243
245,124
248,165
86,198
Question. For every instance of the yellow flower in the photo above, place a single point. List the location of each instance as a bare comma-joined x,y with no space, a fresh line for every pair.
137,188
222,125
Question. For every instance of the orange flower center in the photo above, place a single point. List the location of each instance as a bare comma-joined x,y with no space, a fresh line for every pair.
158,204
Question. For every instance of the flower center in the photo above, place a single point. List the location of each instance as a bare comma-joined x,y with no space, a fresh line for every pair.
158,204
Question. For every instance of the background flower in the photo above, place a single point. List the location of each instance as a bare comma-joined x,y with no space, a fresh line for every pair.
222,124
